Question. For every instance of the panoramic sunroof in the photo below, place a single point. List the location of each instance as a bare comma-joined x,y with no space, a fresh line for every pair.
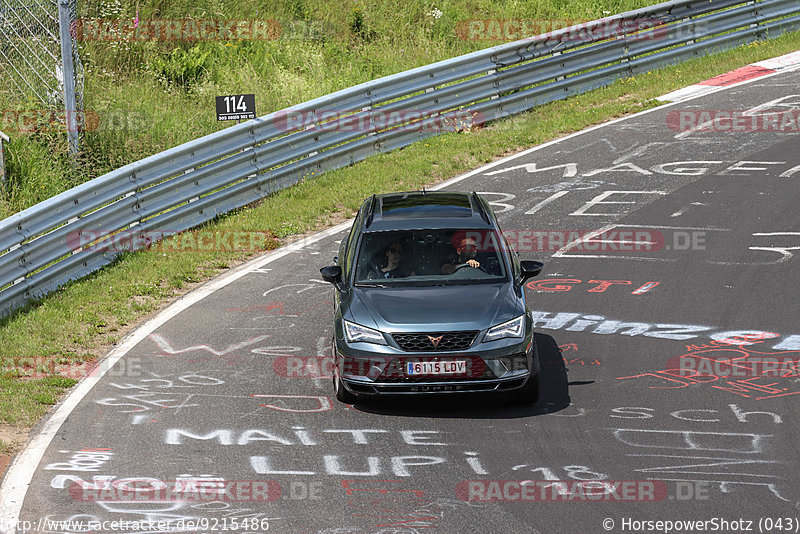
424,206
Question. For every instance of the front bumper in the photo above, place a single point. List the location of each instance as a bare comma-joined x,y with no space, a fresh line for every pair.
362,387
499,368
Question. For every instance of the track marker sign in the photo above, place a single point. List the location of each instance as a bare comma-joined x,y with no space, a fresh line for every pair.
236,107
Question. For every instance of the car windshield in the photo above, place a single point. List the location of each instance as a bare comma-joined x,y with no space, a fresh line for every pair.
430,257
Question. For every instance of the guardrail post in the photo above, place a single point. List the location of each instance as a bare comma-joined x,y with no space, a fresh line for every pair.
3,138
68,71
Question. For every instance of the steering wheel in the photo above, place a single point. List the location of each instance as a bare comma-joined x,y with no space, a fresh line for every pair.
468,265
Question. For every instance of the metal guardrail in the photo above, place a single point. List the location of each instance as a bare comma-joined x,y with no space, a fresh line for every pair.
191,184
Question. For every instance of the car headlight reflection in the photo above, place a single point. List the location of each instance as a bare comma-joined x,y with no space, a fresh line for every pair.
356,332
513,328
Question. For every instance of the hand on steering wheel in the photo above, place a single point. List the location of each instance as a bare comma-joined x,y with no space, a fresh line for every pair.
471,263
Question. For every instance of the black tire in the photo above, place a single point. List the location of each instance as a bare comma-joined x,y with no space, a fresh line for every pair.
529,393
342,394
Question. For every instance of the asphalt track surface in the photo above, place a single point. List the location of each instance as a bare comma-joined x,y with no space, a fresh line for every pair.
216,391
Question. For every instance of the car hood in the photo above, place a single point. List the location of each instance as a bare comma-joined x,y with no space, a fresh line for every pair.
434,308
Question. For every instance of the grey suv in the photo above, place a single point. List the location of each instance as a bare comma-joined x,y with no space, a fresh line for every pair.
429,299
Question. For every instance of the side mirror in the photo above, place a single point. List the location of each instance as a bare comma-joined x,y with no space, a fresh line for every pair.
333,275
530,268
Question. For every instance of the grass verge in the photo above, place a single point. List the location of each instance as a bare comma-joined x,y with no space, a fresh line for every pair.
144,95
79,323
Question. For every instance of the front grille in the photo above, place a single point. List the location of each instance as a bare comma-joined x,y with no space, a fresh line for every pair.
435,341
395,371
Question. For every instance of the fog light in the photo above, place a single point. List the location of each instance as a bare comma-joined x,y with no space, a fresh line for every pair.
368,367
509,365
498,367
356,366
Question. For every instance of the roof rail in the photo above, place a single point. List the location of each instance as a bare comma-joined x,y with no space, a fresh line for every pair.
371,211
479,202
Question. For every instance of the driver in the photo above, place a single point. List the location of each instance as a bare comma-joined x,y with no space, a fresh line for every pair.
466,251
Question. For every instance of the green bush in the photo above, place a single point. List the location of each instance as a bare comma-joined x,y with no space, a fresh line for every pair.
358,26
181,68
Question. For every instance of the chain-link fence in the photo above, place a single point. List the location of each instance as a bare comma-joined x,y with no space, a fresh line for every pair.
39,57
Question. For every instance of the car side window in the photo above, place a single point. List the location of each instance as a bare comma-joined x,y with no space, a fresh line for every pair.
347,256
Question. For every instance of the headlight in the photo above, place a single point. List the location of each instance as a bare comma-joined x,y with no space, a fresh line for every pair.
512,328
355,332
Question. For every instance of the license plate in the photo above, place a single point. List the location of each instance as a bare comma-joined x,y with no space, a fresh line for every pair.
436,368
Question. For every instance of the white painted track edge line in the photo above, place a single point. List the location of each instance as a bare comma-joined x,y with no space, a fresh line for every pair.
20,471
17,478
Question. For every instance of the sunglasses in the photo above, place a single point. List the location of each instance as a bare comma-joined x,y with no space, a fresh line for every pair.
396,250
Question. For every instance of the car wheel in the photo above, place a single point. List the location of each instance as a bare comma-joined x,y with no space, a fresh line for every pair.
529,393
341,392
